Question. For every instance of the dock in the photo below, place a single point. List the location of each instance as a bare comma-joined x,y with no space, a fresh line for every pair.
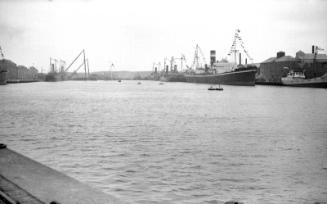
23,180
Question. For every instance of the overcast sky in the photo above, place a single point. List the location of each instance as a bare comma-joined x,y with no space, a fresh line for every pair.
135,33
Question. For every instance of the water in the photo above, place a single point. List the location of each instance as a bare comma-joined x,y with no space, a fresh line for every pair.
177,142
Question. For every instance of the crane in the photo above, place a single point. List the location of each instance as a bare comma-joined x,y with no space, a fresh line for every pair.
196,64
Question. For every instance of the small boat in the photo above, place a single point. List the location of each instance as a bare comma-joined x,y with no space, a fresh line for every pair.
139,83
211,88
119,80
161,83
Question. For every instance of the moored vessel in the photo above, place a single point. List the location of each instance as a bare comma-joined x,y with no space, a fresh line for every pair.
3,77
241,78
218,72
3,70
315,76
298,80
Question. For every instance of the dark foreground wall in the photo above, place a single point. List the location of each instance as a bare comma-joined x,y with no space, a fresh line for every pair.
27,181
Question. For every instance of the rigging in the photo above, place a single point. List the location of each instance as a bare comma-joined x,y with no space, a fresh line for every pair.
234,48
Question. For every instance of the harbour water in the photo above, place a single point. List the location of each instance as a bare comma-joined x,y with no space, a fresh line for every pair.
176,142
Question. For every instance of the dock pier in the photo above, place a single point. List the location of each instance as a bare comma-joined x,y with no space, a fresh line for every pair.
25,181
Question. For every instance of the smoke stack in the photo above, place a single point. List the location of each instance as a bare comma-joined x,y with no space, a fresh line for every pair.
212,57
239,58
313,49
52,67
280,54
246,61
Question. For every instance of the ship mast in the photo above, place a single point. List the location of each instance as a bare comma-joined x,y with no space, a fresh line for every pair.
1,54
182,59
234,48
112,66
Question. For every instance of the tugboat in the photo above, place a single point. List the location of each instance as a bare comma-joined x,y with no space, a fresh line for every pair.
298,79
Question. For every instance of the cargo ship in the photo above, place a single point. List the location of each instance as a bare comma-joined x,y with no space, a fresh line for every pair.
3,70
3,77
239,76
219,72
54,76
3,73
242,75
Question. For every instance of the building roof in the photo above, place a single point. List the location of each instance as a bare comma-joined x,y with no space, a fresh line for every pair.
271,59
285,59
300,55
310,56
280,59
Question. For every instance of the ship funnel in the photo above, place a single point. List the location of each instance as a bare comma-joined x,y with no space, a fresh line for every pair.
212,57
280,54
313,49
239,58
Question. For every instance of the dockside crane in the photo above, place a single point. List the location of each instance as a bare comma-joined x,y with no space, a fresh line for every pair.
76,70
86,69
198,55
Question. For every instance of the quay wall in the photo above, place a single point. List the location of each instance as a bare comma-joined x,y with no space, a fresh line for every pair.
24,180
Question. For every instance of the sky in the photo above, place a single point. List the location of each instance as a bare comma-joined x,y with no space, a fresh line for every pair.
134,34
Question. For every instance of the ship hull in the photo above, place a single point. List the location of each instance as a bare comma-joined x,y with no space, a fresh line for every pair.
53,77
173,77
3,77
240,78
319,82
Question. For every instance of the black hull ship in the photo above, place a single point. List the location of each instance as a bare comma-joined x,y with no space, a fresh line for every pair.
219,72
241,78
